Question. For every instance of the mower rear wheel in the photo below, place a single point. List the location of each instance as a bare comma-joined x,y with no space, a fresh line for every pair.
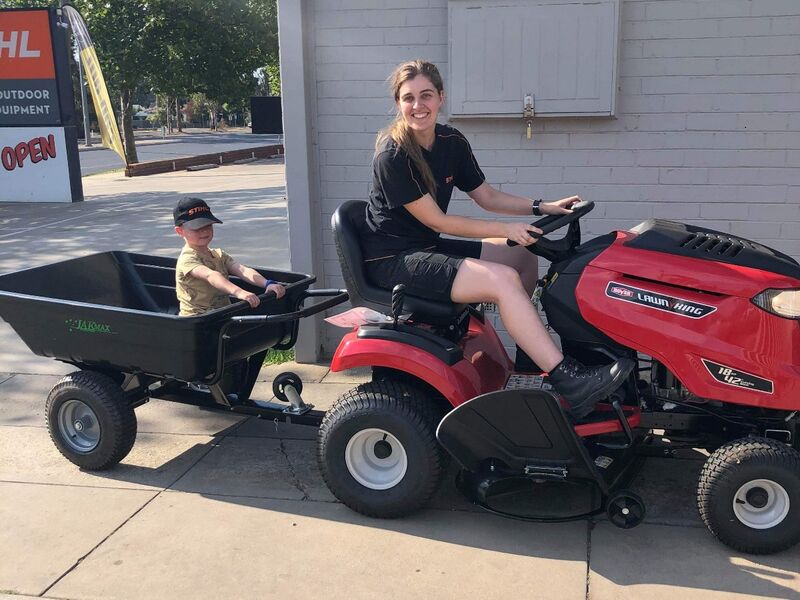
377,449
89,420
748,495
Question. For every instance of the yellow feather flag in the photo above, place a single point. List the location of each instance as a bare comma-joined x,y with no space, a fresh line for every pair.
109,131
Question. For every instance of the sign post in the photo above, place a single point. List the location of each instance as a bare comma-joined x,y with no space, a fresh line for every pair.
39,159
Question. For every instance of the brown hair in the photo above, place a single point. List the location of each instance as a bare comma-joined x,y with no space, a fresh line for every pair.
398,130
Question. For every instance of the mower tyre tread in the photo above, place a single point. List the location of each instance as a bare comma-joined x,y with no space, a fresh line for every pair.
106,399
398,399
718,474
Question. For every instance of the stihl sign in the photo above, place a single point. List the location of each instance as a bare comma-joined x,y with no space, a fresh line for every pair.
14,48
26,50
28,87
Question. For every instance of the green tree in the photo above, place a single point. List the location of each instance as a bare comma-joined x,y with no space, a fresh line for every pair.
236,38
269,78
213,47
197,107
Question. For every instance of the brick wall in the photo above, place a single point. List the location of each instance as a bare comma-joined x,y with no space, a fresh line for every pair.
707,128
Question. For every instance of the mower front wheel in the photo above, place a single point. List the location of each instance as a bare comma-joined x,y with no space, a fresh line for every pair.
748,495
378,451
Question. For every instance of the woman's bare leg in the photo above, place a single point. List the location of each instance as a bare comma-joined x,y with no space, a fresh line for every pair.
526,264
581,386
482,281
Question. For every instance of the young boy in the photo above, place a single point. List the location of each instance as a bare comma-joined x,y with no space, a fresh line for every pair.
201,275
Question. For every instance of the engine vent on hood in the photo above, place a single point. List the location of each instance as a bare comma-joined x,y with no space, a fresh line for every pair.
671,237
710,243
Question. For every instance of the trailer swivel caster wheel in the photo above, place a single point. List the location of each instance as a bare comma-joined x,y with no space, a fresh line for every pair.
625,509
90,421
283,380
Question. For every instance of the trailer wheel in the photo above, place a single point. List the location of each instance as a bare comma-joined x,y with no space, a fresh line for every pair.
90,421
280,383
748,495
378,451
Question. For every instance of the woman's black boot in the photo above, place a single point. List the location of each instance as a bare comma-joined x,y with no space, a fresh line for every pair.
583,387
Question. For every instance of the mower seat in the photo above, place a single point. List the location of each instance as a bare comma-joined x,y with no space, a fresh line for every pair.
346,221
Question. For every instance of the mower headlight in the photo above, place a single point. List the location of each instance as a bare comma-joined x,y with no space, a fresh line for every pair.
784,303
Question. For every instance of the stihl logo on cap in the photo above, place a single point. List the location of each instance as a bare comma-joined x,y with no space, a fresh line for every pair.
197,209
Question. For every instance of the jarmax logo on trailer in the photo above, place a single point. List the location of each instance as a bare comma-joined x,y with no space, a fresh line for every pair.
85,326
38,149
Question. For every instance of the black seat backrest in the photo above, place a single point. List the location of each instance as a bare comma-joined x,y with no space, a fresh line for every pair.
346,224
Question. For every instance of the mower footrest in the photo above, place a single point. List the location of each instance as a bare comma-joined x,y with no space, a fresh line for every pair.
520,430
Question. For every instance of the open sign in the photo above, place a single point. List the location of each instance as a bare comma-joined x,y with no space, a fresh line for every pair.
35,166
36,150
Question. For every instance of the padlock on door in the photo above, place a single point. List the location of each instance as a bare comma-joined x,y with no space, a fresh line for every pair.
527,113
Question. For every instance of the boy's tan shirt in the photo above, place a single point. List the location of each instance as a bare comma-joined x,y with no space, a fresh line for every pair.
197,296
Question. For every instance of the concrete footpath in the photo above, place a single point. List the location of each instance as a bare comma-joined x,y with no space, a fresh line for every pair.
215,505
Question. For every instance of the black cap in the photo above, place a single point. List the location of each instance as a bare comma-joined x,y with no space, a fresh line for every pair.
193,213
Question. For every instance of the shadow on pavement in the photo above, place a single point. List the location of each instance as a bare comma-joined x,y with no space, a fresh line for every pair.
268,463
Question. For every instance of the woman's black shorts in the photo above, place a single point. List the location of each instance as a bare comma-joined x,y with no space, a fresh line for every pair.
428,272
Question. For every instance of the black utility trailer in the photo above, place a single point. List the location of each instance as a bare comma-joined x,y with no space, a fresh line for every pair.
113,315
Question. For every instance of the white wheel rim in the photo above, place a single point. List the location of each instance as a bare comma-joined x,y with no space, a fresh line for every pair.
379,471
761,504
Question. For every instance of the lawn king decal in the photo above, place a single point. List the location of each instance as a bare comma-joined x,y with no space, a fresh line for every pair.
678,306
740,379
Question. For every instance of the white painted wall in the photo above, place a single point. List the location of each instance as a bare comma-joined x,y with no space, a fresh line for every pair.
707,128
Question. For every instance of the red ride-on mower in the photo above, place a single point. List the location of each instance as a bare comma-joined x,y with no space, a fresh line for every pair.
712,316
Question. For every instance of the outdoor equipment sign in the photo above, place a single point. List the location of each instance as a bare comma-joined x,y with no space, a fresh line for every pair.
38,135
28,92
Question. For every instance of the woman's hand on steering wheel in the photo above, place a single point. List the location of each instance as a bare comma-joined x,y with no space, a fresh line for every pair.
565,217
521,233
559,207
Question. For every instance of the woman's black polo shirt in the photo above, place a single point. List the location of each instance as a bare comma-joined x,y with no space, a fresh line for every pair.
396,182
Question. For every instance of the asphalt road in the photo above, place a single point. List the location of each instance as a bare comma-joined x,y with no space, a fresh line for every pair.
98,159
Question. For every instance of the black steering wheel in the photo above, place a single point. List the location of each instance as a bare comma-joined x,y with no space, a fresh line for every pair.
553,250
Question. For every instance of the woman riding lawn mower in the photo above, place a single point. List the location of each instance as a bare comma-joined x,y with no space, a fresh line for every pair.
713,320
